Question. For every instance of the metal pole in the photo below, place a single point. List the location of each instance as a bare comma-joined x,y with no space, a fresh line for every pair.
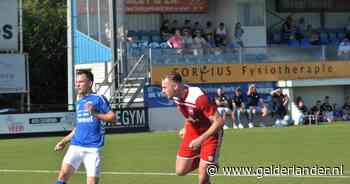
71,6
28,84
21,26
113,27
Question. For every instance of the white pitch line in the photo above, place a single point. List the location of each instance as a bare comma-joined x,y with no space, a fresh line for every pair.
157,173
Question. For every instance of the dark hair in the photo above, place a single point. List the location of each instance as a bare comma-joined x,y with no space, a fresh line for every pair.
174,76
87,73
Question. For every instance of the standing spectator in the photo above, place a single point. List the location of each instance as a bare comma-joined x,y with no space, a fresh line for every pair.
238,108
221,35
346,109
312,35
254,105
222,103
288,29
238,34
327,110
280,107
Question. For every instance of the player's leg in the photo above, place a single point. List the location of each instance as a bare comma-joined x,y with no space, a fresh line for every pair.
209,153
92,163
70,164
186,165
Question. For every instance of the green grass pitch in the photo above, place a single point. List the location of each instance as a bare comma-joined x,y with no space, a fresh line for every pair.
149,158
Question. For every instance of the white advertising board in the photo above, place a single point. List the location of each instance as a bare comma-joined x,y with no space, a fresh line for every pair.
9,24
36,122
12,73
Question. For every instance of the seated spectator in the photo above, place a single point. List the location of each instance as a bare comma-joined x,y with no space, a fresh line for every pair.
208,30
327,110
300,29
176,41
316,111
288,29
280,107
222,103
237,107
221,35
344,47
299,118
196,27
174,26
347,27
188,41
210,40
199,43
346,109
254,105
238,34
165,31
187,26
312,35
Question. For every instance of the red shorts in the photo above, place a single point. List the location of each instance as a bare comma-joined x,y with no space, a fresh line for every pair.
208,151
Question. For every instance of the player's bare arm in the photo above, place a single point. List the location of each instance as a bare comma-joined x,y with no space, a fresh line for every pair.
62,143
217,123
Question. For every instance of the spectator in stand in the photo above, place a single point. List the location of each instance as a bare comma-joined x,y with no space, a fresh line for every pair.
187,26
165,31
253,106
188,40
316,111
196,27
176,41
221,35
238,34
312,35
280,107
199,43
222,103
238,107
174,26
300,29
288,29
344,47
208,30
327,110
346,109
347,27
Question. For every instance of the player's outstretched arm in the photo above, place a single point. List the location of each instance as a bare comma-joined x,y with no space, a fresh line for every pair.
62,143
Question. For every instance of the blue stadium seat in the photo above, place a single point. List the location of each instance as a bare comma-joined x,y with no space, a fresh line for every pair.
293,43
332,37
305,43
323,37
156,38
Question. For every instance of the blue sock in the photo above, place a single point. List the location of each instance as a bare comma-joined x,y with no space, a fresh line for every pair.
60,182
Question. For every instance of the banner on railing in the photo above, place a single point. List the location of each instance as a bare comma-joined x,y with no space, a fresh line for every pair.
129,120
229,73
154,97
176,6
36,122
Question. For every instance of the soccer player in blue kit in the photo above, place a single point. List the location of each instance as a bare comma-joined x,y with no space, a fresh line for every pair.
87,138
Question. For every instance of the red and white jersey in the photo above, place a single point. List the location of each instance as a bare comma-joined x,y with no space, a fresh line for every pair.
196,108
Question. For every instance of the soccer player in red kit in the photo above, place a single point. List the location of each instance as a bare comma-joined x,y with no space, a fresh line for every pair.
202,129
